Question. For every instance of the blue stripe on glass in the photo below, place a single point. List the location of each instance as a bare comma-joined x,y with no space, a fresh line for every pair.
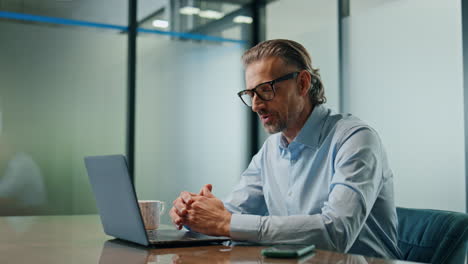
73,22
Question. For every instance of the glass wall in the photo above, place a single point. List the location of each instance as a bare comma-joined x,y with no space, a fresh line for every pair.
62,97
63,93
191,128
225,21
314,24
102,11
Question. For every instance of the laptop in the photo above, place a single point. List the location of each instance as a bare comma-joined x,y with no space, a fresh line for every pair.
118,207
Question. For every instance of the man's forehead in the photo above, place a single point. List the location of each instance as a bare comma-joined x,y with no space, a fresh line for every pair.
264,70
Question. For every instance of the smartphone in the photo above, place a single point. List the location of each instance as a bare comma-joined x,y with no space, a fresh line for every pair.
287,251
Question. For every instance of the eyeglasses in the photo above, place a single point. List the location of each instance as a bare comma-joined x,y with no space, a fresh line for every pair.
264,91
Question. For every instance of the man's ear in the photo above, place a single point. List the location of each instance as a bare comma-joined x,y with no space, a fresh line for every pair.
305,81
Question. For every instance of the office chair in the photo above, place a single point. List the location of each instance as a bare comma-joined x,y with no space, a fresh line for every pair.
432,236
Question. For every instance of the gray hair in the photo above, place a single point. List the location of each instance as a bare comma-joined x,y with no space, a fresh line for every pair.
292,53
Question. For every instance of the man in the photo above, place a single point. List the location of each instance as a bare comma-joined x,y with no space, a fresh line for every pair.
321,178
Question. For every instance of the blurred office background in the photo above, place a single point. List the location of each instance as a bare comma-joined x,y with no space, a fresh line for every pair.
65,92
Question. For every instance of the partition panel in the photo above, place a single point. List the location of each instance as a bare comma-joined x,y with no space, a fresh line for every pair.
191,127
62,97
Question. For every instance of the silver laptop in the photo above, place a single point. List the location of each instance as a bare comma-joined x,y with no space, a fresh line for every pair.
118,206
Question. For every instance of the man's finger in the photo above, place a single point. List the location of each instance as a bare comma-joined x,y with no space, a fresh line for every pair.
206,190
206,186
180,206
176,219
187,197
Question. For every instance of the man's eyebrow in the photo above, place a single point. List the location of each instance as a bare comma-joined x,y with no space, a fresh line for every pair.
259,85
250,88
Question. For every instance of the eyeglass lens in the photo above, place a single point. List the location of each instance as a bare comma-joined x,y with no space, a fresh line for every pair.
265,92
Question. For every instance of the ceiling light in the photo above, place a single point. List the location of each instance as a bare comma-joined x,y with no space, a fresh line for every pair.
211,14
189,10
160,23
243,19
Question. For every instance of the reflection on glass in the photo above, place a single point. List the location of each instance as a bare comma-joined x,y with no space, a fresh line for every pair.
22,188
332,257
223,19
353,259
117,251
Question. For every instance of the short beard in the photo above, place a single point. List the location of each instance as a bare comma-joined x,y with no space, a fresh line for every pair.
276,128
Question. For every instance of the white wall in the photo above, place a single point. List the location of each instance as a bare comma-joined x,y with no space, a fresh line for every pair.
191,126
314,24
403,61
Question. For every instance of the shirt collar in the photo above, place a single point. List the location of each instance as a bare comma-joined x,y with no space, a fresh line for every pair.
310,132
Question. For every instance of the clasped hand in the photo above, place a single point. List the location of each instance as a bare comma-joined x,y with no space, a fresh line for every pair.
203,213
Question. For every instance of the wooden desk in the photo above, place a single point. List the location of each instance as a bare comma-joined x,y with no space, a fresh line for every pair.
80,239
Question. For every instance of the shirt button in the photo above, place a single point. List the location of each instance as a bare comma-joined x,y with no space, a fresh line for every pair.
289,193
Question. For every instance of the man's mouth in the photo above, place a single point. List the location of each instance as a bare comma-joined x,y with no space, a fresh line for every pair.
266,118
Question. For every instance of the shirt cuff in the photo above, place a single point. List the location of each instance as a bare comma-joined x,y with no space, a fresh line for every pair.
245,227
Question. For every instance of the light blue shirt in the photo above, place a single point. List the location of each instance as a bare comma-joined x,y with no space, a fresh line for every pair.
331,186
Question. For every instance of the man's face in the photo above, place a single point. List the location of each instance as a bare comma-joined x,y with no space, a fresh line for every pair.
280,113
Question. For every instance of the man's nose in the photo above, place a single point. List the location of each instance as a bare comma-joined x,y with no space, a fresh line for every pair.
257,103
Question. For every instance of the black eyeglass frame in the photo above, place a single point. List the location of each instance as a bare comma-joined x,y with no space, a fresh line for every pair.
272,83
